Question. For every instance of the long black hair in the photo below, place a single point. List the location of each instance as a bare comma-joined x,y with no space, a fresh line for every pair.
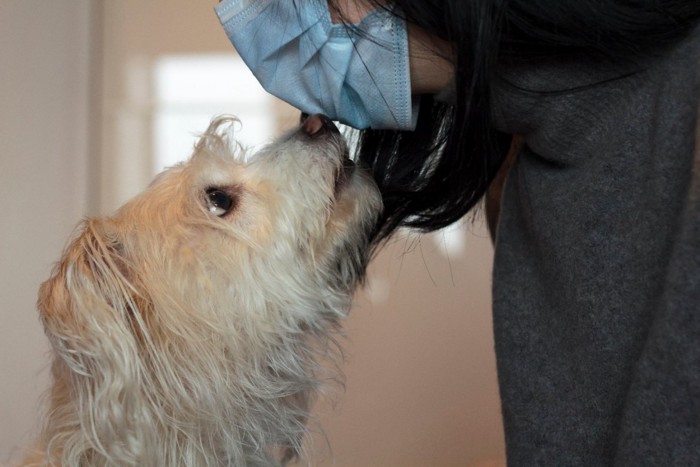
434,175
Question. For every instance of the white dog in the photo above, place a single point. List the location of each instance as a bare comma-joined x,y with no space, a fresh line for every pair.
187,328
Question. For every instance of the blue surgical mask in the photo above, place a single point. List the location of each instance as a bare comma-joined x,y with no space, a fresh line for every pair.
358,75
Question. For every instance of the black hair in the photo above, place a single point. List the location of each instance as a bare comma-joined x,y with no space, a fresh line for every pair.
432,176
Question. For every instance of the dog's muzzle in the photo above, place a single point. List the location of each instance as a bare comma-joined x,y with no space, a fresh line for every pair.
319,126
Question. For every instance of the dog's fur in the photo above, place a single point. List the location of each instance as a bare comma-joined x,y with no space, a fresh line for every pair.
181,337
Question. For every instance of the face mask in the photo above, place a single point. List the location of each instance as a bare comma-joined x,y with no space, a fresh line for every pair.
358,75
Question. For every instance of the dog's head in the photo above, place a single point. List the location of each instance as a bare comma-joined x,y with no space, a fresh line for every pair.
199,295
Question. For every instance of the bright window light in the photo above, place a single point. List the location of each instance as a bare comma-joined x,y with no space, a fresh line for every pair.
191,89
452,240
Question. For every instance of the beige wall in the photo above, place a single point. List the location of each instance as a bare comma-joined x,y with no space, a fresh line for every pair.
421,384
44,114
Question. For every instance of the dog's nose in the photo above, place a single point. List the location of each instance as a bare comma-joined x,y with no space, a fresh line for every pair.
317,124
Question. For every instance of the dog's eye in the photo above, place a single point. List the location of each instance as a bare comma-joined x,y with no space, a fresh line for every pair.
218,201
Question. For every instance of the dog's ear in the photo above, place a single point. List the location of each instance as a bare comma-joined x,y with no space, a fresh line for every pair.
89,301
89,312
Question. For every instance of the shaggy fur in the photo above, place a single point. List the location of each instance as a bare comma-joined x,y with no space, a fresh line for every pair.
185,333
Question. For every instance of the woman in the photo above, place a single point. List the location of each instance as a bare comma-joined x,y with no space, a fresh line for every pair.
597,269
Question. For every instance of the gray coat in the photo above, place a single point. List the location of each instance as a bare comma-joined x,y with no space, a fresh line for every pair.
597,271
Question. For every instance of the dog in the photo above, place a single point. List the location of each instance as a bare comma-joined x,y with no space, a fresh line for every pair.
188,328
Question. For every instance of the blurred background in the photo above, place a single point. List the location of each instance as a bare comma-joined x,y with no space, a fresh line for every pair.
96,96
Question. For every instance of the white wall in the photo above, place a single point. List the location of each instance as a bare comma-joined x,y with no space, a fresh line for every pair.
43,163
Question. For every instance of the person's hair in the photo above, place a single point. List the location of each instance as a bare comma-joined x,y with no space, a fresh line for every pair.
434,175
